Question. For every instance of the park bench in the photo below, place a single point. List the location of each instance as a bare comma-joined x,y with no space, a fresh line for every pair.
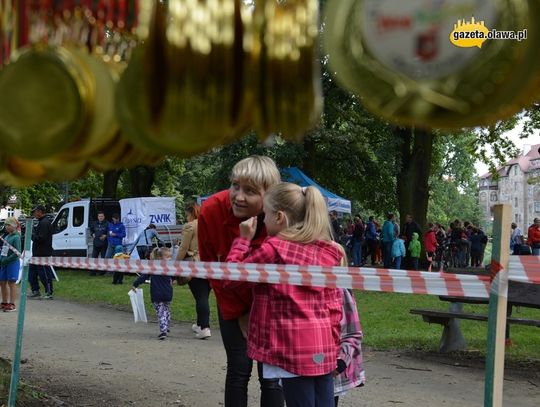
519,295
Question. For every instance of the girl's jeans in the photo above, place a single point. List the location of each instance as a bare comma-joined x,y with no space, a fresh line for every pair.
239,370
309,391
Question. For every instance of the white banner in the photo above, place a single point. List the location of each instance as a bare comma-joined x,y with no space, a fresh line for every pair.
138,213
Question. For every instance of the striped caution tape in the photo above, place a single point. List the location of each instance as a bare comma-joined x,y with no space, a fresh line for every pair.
14,250
366,279
525,269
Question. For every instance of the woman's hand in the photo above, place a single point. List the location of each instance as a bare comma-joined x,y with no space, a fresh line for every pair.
248,228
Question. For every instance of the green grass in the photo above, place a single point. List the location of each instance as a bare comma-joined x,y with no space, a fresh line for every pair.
387,324
385,317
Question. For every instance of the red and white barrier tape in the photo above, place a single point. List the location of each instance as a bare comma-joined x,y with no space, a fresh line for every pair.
525,269
13,249
367,279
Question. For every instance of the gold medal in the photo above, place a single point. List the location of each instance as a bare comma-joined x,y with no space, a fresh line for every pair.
416,63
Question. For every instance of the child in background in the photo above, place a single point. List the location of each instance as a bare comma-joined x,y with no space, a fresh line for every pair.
398,251
161,291
415,249
430,244
350,369
9,265
294,330
118,277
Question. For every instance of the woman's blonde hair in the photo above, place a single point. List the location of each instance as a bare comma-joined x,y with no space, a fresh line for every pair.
305,212
159,253
259,171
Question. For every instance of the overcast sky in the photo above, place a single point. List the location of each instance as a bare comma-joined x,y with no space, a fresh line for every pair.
481,168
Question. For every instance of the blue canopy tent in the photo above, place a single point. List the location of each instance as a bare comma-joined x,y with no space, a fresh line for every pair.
334,202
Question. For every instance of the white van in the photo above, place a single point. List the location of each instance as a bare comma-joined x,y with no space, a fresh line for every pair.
71,226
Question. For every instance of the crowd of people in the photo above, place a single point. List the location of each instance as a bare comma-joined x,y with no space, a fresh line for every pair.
461,244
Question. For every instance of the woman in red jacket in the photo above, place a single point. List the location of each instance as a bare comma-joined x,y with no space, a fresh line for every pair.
219,221
294,330
533,237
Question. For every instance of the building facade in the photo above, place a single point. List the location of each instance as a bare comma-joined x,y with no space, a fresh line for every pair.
518,185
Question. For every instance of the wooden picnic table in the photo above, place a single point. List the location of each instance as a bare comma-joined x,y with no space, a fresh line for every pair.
520,294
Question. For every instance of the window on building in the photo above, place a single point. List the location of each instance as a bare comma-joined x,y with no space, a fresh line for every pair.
537,207
10,212
515,170
483,197
515,202
516,218
493,197
515,186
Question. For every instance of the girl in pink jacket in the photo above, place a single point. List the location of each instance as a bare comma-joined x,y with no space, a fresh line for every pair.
294,330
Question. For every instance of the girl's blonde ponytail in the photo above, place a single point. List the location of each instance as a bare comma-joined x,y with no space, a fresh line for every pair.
305,211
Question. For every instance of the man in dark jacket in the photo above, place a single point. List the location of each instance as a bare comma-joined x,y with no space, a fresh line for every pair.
41,247
98,231
371,239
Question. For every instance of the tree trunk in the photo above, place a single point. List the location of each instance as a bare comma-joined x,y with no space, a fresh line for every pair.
142,179
413,176
110,183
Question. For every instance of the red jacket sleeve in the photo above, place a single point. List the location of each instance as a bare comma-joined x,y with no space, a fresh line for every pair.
240,253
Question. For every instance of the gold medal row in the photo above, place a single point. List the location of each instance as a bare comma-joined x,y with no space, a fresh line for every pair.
206,73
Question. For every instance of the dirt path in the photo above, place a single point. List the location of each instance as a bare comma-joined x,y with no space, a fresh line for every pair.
89,355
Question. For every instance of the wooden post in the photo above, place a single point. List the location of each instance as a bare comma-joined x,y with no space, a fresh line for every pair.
498,297
14,383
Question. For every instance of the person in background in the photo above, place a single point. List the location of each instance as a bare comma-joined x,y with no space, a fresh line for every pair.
409,228
98,231
9,265
118,277
388,238
161,291
415,249
516,240
533,237
200,287
357,240
41,247
145,242
336,228
218,226
379,247
349,372
294,330
476,248
115,235
430,244
371,239
398,251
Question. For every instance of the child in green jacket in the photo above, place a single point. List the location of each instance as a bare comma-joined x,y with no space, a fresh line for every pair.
415,249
